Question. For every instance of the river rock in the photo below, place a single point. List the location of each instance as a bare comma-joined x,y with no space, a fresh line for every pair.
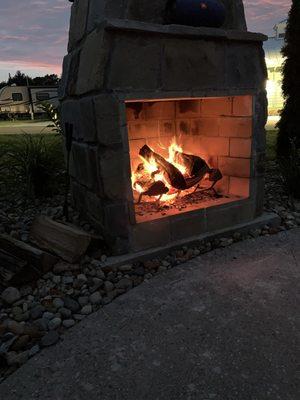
10,295
50,339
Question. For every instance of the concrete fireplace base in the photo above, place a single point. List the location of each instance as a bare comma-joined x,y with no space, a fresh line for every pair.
270,219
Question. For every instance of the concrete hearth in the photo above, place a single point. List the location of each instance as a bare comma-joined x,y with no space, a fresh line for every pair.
113,62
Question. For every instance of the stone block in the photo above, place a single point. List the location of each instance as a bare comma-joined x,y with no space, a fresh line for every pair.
188,108
240,127
239,186
139,69
108,124
239,167
258,193
260,119
192,224
245,65
88,204
79,14
88,120
114,172
242,106
99,10
259,164
148,11
92,63
220,217
240,147
62,89
180,61
78,195
71,80
150,234
94,207
135,146
70,113
83,165
116,219
216,106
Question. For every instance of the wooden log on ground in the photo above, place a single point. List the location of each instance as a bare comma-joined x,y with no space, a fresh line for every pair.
66,241
173,175
38,258
10,266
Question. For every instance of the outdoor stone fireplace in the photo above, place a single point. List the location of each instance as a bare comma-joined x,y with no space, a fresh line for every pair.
168,139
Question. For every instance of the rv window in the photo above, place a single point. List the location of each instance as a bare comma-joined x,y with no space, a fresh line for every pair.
41,96
17,96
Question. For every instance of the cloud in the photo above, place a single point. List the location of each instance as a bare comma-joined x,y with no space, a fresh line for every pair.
262,15
33,33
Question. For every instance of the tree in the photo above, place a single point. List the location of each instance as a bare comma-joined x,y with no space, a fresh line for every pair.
19,79
289,124
47,80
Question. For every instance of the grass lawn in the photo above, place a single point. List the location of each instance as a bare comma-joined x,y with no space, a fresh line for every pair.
21,122
271,144
7,141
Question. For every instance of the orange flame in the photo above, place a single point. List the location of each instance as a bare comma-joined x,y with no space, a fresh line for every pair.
150,172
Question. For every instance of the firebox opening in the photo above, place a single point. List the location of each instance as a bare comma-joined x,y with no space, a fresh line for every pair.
188,154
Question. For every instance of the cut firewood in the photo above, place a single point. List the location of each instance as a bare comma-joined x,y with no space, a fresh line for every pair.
172,174
195,165
38,258
66,241
9,267
156,189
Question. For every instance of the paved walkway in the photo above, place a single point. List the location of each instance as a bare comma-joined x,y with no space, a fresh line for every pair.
224,326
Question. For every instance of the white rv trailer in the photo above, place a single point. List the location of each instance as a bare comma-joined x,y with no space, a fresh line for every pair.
21,100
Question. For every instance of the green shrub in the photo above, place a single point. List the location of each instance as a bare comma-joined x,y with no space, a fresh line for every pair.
34,165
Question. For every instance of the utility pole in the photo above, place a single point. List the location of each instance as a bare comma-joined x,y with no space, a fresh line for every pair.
31,110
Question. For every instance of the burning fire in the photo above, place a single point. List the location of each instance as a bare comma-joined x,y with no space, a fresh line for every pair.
148,172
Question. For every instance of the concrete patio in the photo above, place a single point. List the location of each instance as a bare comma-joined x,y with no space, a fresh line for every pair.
224,326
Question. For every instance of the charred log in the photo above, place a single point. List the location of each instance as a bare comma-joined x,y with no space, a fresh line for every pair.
173,176
157,189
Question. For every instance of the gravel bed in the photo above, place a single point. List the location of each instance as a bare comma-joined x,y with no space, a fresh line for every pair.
36,316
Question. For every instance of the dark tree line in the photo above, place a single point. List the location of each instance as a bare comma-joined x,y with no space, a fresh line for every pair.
289,124
21,79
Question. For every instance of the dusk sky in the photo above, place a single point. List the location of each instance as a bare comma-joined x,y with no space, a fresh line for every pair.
33,33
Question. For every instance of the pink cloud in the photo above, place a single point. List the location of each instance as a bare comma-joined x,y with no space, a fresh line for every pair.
33,33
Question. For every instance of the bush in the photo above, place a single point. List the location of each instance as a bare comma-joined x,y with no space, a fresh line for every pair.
289,124
33,165
290,171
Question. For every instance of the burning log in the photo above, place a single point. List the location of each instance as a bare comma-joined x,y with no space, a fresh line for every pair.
157,189
173,176
197,169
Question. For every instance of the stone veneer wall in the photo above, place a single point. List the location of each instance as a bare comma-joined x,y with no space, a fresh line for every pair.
124,60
